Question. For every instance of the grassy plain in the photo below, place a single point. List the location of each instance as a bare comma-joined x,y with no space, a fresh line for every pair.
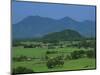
37,65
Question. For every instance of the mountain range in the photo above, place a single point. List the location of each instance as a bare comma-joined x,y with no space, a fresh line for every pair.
37,26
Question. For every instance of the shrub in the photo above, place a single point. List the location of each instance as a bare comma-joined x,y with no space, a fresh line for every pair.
21,70
51,47
51,52
28,46
20,58
68,57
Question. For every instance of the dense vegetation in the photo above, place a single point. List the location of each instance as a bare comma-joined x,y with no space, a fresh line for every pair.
21,70
54,52
64,35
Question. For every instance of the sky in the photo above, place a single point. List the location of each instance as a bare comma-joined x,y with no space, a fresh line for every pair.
21,10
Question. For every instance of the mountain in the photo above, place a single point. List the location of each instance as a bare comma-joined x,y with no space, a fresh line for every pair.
86,28
63,35
36,26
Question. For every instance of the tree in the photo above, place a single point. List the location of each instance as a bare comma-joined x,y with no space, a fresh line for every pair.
54,62
77,54
51,63
91,54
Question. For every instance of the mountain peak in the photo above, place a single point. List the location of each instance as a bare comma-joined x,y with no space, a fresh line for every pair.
32,26
32,17
68,19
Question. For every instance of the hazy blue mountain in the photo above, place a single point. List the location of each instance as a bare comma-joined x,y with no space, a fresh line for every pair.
36,26
33,26
86,28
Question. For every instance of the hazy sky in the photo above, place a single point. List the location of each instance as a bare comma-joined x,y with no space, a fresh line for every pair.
21,10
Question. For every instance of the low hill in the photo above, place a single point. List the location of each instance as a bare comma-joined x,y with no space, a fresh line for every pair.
62,35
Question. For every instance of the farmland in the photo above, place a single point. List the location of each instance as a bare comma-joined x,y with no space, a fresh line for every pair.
52,37
57,51
36,58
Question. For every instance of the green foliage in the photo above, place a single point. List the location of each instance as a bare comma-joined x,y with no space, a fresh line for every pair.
28,46
51,52
91,54
68,57
51,47
63,35
87,44
20,58
22,70
77,54
65,58
55,62
15,44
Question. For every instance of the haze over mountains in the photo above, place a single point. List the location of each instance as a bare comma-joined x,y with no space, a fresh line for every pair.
36,26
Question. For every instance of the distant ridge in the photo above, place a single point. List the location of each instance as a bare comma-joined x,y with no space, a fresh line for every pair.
36,26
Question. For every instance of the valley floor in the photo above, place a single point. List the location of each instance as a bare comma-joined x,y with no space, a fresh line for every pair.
39,64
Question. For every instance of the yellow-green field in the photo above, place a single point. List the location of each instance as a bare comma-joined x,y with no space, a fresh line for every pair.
38,65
